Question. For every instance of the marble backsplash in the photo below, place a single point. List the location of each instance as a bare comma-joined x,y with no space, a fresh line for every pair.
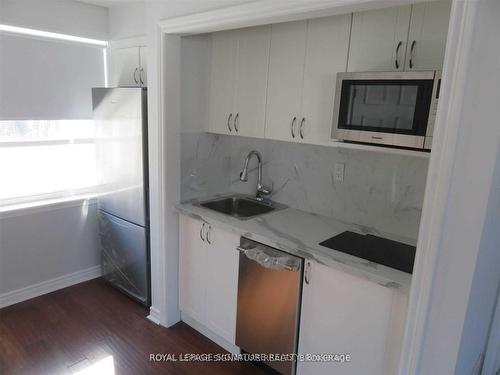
382,191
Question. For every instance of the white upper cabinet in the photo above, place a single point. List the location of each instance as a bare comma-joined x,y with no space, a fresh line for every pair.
326,55
427,36
222,81
127,67
251,81
411,37
286,71
238,81
278,81
378,39
305,58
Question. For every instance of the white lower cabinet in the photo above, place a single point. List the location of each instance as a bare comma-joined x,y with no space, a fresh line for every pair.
345,314
208,276
192,262
341,313
222,282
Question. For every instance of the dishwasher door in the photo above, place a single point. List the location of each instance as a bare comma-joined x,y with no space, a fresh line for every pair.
269,292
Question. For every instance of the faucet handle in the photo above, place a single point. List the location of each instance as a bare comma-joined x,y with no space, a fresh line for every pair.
263,190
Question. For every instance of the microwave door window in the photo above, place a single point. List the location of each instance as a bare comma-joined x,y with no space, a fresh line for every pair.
382,107
389,107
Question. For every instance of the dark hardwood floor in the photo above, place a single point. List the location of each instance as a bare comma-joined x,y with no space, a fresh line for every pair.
73,328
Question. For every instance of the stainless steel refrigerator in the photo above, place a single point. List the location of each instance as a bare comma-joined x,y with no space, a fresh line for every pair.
120,115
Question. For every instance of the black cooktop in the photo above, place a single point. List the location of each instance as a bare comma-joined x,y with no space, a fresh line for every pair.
375,249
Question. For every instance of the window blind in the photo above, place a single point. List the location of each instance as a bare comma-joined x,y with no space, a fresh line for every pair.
47,79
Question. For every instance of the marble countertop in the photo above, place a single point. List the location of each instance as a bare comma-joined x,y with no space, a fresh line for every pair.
299,233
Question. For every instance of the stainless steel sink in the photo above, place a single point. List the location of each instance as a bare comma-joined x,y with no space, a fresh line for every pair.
241,206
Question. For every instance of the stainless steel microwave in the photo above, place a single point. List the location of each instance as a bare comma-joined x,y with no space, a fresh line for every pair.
387,108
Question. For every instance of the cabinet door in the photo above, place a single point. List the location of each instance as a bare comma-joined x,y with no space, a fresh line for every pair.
222,282
192,269
427,36
326,55
124,67
222,81
286,70
343,314
251,82
375,38
143,57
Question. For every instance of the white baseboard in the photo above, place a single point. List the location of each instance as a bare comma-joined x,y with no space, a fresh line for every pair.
205,331
154,315
48,286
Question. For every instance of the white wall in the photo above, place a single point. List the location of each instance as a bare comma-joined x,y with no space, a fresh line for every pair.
134,18
467,269
61,16
37,245
127,20
485,284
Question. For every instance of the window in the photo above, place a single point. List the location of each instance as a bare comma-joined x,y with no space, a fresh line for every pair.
44,159
47,135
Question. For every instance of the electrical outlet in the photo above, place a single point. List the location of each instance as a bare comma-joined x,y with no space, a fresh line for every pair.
339,172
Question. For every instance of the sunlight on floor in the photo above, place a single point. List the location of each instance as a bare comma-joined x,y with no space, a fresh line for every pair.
105,366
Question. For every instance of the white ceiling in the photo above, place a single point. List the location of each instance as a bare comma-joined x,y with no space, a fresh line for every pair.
109,3
205,4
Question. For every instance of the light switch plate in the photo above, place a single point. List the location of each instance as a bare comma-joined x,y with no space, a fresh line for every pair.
339,172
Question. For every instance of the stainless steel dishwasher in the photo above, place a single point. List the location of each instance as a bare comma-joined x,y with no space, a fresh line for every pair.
269,291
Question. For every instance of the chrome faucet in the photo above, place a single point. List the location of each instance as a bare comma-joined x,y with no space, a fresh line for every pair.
261,189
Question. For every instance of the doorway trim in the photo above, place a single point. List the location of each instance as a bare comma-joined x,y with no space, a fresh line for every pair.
165,95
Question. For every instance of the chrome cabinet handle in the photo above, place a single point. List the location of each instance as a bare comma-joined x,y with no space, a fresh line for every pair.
292,126
411,53
301,129
135,78
236,122
229,122
307,273
396,61
201,232
207,235
140,76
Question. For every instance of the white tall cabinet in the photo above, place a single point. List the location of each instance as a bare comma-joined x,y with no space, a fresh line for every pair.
238,81
208,276
143,65
128,67
344,314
